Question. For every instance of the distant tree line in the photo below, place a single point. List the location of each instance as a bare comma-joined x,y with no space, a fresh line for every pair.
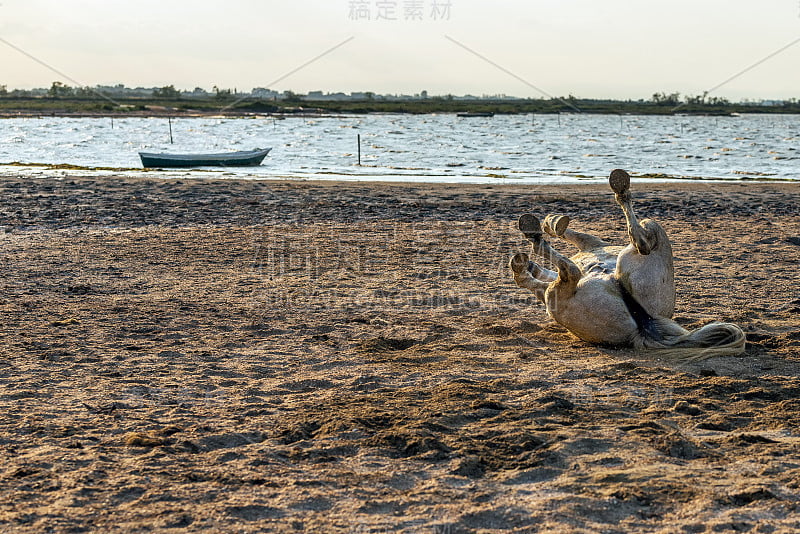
60,90
60,97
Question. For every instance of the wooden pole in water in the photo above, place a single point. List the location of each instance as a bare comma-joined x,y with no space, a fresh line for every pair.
112,123
359,150
170,131
559,118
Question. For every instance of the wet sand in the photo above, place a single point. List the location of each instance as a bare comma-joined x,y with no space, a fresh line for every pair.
236,356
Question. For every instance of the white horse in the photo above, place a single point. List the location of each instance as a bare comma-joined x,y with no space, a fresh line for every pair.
617,296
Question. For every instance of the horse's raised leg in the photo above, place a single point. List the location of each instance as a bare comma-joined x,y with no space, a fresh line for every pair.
645,267
642,236
568,272
535,270
525,278
556,226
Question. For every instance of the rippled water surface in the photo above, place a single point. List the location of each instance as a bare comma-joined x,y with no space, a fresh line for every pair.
430,148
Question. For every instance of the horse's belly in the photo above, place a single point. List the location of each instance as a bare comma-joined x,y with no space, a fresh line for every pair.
595,312
650,279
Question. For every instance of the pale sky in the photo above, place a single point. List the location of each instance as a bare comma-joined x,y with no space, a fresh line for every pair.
589,48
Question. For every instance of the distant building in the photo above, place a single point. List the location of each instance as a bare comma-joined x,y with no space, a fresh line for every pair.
144,92
118,89
198,92
261,92
320,96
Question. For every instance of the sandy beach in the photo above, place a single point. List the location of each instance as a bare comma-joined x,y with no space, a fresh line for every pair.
274,356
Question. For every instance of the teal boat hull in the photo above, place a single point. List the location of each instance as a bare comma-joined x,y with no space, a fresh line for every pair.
245,158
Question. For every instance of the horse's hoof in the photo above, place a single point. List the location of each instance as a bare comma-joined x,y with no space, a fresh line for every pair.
530,226
519,263
556,225
620,181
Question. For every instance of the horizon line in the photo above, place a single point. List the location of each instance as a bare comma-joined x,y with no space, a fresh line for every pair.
198,92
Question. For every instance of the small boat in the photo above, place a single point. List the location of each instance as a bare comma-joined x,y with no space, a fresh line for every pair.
243,158
475,114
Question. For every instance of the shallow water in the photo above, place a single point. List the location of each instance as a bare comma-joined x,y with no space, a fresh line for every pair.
427,148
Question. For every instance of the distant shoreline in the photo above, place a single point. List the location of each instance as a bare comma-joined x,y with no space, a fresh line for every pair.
71,171
186,107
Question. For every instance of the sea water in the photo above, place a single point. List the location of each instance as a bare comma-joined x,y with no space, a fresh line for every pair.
421,148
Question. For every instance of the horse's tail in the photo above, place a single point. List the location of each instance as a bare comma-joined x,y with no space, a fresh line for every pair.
667,339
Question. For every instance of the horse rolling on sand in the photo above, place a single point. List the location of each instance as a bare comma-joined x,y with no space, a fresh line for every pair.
617,296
